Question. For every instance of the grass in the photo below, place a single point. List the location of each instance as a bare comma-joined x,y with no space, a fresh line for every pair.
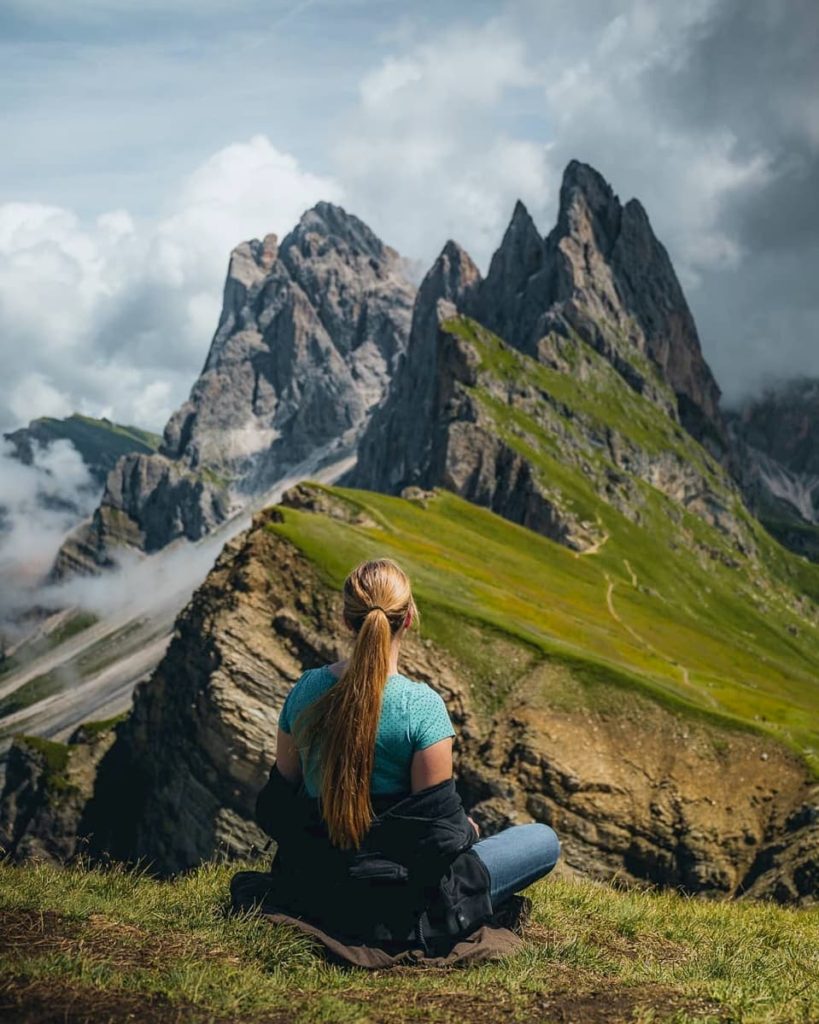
54,754
603,398
75,623
78,940
86,663
95,728
97,436
690,636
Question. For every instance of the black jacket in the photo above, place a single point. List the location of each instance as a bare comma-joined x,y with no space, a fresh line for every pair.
413,880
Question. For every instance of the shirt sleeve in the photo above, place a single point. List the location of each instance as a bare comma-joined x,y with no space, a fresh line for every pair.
285,723
284,716
430,719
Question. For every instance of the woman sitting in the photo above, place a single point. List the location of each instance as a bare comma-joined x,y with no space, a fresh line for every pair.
372,836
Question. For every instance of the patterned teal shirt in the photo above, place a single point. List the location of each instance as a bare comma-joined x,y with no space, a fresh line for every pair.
413,716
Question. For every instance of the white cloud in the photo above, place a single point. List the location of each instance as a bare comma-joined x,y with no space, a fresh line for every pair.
427,155
39,504
33,391
115,316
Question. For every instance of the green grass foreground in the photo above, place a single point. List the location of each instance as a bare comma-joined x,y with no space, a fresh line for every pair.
103,944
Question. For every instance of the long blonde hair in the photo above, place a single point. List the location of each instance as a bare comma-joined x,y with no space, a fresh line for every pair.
344,719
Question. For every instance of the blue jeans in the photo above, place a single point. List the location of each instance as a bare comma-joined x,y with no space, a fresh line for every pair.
517,856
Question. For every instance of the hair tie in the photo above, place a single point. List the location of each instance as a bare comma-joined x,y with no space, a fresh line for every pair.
374,607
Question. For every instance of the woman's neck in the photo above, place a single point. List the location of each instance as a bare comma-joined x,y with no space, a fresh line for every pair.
392,668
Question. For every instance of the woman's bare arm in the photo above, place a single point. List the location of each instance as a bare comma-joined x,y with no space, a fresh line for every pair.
287,757
431,765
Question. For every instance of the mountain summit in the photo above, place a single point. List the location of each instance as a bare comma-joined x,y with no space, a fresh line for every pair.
310,333
573,367
601,272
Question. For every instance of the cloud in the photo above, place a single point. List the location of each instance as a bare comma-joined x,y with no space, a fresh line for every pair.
428,153
114,316
708,112
38,504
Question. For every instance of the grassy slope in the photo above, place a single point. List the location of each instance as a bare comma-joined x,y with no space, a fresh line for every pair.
103,944
684,634
94,438
753,597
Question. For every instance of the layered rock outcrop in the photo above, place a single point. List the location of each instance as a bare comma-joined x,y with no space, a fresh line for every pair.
46,789
310,333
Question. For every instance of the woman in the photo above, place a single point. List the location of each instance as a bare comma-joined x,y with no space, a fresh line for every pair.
359,731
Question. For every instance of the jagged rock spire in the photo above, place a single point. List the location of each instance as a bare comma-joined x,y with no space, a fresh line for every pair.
310,334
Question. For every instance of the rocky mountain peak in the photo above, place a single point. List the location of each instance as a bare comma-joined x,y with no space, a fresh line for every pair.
586,198
329,225
519,256
310,334
452,276
599,285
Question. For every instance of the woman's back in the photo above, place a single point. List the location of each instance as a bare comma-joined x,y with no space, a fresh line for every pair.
413,716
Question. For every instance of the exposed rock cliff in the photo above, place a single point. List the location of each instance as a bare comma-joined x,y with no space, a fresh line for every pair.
46,788
310,333
776,443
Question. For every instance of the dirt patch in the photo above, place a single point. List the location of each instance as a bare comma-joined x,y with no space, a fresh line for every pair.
57,1003
571,999
611,1005
608,1003
32,933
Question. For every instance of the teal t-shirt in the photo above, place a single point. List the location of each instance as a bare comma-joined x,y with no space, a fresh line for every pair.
413,716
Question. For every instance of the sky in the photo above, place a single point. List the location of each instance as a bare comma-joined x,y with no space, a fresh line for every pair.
143,140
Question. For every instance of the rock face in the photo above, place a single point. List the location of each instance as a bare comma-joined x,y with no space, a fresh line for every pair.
149,501
310,333
697,811
599,285
776,443
709,811
602,273
46,789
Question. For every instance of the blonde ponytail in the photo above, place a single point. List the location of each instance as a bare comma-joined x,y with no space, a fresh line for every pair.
344,720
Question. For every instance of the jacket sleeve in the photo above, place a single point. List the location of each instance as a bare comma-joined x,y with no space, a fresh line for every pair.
450,836
276,804
443,840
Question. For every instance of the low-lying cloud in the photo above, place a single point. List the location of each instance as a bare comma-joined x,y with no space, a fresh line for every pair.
39,504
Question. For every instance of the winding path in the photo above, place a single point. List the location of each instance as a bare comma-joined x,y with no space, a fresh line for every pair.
636,636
